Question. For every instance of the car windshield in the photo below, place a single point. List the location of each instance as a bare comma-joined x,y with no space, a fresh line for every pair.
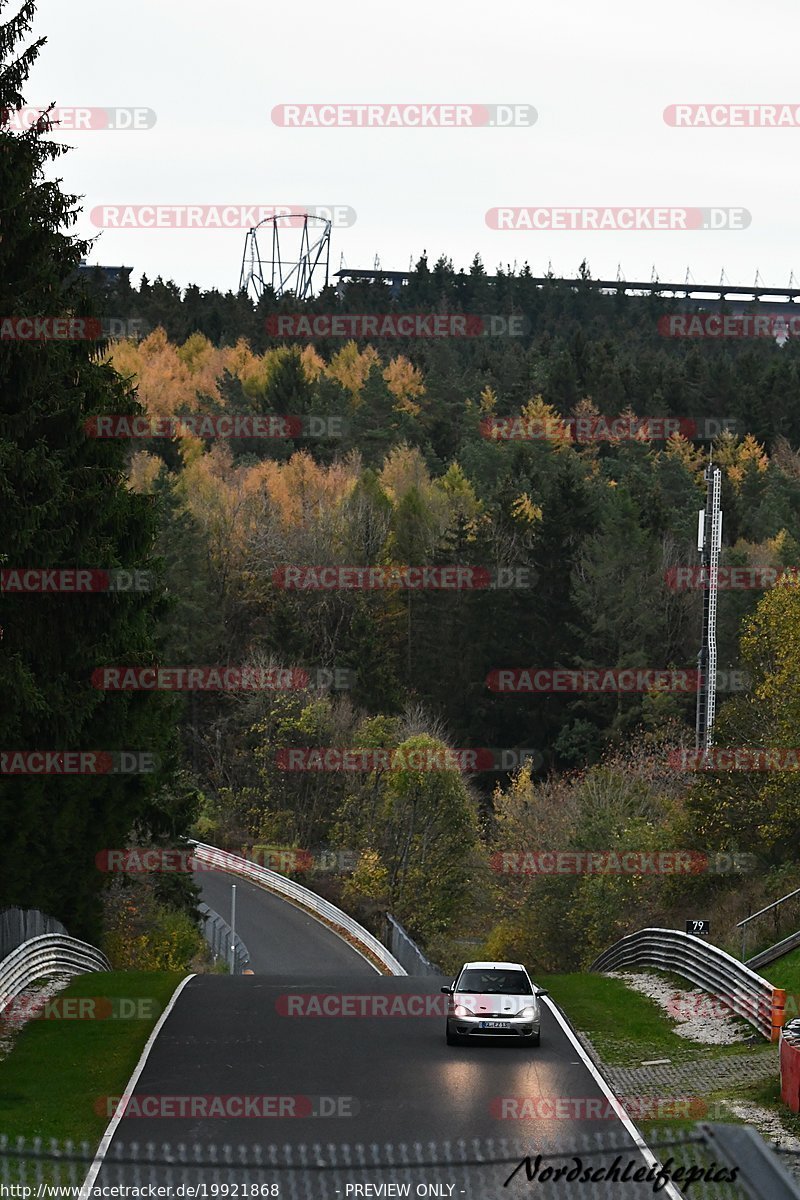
510,983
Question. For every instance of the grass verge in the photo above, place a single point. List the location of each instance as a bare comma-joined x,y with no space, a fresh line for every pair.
785,973
52,1082
627,1028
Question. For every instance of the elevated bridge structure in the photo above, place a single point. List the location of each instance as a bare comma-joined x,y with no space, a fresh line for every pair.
698,294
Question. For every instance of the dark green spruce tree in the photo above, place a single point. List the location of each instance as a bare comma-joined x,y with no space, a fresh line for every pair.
63,503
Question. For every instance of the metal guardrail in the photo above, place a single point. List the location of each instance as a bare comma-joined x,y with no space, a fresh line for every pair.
753,916
768,908
303,897
742,990
777,951
406,950
49,954
217,933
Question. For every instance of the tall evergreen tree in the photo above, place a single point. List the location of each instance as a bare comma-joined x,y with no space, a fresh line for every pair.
63,503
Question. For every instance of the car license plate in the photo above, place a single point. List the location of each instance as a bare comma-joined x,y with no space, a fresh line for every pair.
495,1025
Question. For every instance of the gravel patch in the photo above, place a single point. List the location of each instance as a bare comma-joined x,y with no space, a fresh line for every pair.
768,1123
698,1016
24,1007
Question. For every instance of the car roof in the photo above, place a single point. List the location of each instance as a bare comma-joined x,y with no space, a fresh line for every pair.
494,966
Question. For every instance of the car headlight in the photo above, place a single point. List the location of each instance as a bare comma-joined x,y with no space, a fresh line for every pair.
528,1013
460,1011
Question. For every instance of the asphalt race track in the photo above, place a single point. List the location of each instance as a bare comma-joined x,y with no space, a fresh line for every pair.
279,936
336,1081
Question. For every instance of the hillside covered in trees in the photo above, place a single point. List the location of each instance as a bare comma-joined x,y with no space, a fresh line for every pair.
413,475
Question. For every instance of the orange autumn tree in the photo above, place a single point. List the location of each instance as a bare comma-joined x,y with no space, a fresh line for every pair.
301,490
226,501
296,513
351,368
165,380
405,383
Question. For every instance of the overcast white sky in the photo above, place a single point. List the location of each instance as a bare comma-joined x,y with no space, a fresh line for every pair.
599,77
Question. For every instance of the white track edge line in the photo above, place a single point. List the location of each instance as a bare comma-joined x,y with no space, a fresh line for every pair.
111,1129
647,1154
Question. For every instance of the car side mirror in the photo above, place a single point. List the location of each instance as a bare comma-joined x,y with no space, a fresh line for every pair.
448,988
542,992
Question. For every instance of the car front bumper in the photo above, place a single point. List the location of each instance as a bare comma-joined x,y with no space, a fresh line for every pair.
521,1027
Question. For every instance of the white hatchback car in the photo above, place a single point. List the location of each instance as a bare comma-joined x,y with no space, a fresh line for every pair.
493,999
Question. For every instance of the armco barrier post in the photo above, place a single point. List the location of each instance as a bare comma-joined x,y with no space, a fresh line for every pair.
778,1012
790,1065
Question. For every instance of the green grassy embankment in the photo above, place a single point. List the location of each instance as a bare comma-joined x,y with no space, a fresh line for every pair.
53,1082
